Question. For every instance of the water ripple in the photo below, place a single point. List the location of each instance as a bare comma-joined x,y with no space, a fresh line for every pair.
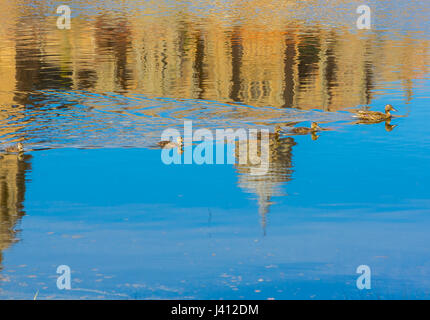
83,119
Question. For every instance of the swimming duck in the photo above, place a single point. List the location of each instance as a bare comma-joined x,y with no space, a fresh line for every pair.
302,130
15,149
368,115
171,144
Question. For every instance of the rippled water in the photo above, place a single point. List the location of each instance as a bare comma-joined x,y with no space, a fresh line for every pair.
91,191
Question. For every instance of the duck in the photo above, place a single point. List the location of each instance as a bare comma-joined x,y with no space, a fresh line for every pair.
170,144
15,149
373,116
302,130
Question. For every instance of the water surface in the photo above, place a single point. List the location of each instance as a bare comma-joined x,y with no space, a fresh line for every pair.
91,191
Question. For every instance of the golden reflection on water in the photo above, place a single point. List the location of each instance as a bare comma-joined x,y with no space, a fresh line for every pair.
13,169
182,54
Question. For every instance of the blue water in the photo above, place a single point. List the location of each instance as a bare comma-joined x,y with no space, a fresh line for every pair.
131,227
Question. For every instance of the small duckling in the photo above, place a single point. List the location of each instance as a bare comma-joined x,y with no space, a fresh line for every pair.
302,130
15,149
375,115
170,144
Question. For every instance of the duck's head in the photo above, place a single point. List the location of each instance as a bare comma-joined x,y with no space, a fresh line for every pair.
179,140
315,126
20,147
389,108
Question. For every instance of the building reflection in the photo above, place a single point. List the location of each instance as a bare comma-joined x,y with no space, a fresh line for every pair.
270,184
13,171
178,55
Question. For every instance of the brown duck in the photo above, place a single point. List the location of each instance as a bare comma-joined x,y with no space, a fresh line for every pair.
375,116
302,130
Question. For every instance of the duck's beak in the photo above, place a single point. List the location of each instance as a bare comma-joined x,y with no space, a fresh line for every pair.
393,109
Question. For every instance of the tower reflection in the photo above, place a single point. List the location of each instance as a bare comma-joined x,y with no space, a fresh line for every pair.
269,184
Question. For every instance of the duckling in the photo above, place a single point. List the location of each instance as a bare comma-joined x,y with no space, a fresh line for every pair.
302,130
15,149
375,115
171,144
